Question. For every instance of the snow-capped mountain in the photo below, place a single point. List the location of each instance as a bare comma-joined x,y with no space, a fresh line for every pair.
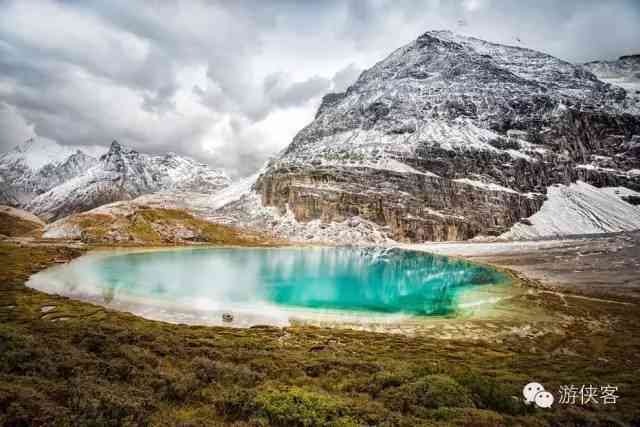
451,136
123,174
37,165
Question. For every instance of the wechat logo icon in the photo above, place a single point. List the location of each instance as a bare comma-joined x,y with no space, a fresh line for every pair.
536,394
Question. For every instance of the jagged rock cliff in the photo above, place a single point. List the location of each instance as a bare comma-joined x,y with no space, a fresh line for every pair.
450,137
123,174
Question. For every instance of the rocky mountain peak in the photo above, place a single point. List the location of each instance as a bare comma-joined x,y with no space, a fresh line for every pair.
440,40
451,136
120,158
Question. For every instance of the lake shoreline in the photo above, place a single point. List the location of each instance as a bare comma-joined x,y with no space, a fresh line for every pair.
475,302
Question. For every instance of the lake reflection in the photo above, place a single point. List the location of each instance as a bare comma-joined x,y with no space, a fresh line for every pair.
342,279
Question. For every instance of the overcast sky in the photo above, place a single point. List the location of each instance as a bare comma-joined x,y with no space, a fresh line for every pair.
231,82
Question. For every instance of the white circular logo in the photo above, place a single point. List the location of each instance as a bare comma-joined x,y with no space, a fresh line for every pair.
530,390
544,399
535,393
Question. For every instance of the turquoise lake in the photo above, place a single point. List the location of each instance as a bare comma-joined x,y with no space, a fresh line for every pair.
270,281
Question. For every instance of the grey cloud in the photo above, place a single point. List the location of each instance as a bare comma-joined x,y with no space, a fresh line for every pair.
256,101
14,128
283,93
345,77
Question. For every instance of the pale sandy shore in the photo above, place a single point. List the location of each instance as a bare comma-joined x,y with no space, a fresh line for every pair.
600,266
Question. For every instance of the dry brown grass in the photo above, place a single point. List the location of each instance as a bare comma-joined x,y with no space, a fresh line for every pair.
13,226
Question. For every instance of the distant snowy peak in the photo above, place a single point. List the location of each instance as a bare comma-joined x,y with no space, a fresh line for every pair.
119,158
123,174
35,153
169,171
36,166
183,173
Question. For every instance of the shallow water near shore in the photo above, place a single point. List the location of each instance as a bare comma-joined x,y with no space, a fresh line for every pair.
276,285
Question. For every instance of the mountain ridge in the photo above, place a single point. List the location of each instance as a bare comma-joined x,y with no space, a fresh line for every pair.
72,181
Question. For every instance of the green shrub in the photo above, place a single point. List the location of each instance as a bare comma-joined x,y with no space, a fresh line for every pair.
487,393
432,391
300,407
208,371
24,406
237,404
117,369
179,387
104,404
378,382
468,417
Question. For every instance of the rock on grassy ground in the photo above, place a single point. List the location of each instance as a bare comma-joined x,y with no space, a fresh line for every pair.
64,362
17,223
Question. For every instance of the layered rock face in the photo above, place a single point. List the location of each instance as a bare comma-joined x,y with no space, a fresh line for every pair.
411,206
123,174
450,137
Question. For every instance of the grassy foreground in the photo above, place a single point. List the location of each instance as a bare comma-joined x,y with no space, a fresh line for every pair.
69,363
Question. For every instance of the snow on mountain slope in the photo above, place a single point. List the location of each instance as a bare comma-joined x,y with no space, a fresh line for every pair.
35,153
175,172
579,208
123,174
451,91
36,166
232,193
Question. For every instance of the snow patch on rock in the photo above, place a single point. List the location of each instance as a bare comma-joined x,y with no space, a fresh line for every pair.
579,208
485,185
